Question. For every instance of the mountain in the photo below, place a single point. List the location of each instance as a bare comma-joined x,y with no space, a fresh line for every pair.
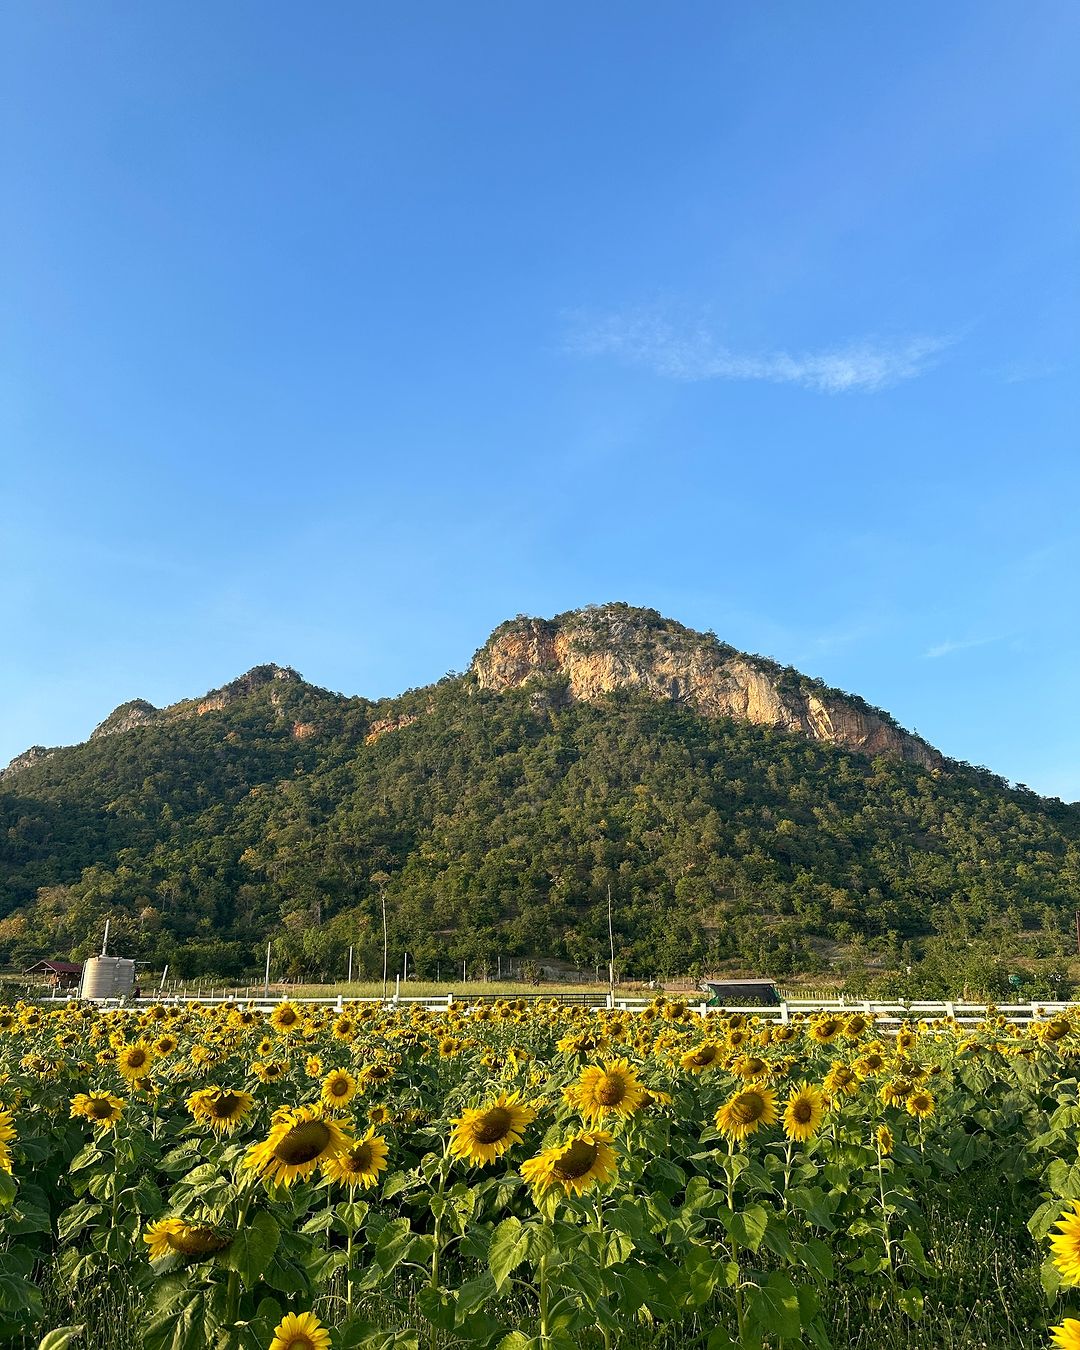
738,810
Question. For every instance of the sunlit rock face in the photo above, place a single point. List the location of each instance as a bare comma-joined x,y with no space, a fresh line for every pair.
599,650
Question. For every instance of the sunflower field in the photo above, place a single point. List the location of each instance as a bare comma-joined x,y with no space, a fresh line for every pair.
532,1176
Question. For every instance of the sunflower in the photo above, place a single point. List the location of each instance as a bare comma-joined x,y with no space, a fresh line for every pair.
576,1165
377,1072
338,1088
746,1111
299,1139
167,1237
7,1125
134,1060
804,1113
1066,1335
884,1137
750,1068
450,1046
165,1045
870,1064
612,1090
784,1033
896,1091
220,1108
841,1080
300,1331
286,1018
707,1055
360,1163
379,1115
314,1066
269,1071
344,1028
100,1107
484,1133
826,1029
921,1104
1066,1244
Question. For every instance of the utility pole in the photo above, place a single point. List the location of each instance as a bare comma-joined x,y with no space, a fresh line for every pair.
266,977
611,943
349,980
405,968
385,948
105,940
1078,932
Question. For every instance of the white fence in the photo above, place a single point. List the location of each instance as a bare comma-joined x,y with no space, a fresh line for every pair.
968,1014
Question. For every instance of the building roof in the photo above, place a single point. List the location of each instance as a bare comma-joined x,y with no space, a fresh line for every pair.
58,967
720,979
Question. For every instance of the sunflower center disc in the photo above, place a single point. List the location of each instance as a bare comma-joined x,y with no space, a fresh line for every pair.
576,1161
492,1125
747,1108
611,1091
303,1143
360,1158
223,1106
100,1109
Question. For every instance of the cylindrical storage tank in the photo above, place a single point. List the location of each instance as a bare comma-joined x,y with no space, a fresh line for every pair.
107,977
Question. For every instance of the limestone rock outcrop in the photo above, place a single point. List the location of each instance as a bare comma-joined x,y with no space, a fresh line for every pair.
597,651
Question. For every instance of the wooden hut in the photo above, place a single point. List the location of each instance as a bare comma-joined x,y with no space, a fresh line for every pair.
59,974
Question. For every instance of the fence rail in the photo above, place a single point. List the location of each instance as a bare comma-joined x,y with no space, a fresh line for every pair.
969,1014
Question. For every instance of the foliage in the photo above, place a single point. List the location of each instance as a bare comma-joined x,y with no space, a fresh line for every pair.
499,821
121,1197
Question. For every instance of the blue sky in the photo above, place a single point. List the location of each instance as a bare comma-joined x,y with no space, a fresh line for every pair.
335,334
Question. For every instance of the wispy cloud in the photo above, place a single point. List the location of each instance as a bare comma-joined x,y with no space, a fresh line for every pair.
948,647
693,352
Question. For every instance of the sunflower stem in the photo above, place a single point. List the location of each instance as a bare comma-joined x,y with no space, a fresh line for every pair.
444,1167
884,1212
740,1311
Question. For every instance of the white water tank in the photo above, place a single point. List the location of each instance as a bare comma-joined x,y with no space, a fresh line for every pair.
107,977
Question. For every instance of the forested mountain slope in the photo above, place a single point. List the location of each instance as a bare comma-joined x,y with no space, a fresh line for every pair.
735,808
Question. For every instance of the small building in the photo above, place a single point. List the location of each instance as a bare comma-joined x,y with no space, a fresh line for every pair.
741,993
60,974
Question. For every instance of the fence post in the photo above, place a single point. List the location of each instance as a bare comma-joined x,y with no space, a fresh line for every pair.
449,998
340,1004
785,1015
950,1011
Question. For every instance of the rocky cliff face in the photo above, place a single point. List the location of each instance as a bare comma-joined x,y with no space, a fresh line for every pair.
27,759
137,712
597,651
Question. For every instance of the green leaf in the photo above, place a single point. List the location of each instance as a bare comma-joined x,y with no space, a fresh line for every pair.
253,1248
509,1248
393,1245
773,1307
746,1227
911,1302
61,1337
516,1340
1050,1278
1064,1178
